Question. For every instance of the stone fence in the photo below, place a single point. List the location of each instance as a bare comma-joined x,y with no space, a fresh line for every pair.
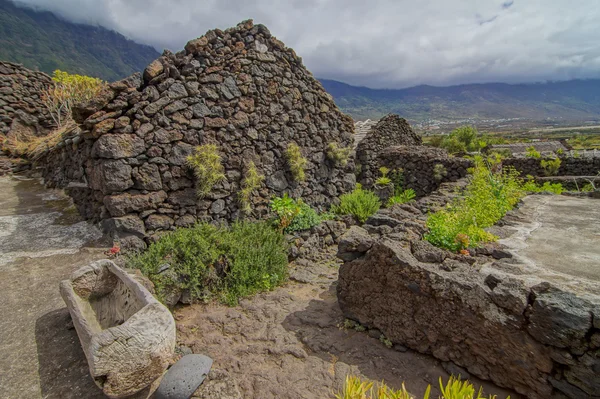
570,166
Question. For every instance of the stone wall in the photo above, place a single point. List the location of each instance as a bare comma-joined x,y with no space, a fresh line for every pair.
569,166
21,108
240,89
495,318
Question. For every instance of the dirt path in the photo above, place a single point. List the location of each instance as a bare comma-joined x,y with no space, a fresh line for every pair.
291,343
42,241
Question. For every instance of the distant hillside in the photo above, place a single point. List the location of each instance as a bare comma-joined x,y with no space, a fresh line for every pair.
45,42
571,100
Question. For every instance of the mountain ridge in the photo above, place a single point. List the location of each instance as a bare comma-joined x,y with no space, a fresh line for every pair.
569,100
43,41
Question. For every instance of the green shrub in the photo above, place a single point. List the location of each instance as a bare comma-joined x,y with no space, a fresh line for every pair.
455,388
207,166
296,162
439,172
384,180
293,215
252,181
550,166
486,200
337,154
402,197
533,153
531,187
359,203
210,261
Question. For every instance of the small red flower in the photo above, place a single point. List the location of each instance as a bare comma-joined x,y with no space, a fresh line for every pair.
114,250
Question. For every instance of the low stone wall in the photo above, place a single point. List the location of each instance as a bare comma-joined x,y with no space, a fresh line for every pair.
419,167
569,166
21,107
497,319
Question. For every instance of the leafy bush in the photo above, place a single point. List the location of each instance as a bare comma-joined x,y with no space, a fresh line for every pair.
359,203
252,181
293,215
486,200
296,162
461,139
402,198
533,153
66,91
210,261
531,187
455,388
337,154
550,166
384,180
207,166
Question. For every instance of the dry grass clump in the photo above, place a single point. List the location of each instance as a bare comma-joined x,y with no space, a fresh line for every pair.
25,145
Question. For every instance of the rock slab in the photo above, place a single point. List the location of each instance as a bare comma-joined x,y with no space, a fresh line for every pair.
184,378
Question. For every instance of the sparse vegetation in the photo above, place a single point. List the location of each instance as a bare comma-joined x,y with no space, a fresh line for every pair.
293,215
216,262
66,91
296,162
455,388
338,154
550,166
32,147
359,203
486,200
383,180
252,181
402,197
207,166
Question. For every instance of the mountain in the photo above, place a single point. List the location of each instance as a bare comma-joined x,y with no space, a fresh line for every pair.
45,42
574,100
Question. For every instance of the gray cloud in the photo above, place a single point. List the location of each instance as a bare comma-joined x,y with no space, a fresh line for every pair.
381,43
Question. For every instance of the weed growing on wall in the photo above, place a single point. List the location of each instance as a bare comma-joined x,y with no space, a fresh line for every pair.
207,166
337,154
402,197
216,262
296,162
66,91
359,203
383,180
252,181
532,153
550,166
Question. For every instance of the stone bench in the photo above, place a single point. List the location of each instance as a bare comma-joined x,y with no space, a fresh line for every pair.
128,337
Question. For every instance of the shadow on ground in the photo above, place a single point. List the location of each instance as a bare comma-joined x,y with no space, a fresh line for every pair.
63,368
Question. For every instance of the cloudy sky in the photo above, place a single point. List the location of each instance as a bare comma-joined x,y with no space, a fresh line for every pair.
381,43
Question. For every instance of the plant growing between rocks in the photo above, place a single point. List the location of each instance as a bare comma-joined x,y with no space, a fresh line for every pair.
360,203
337,154
550,166
401,197
293,215
533,153
68,90
296,162
215,262
439,172
207,167
383,180
252,181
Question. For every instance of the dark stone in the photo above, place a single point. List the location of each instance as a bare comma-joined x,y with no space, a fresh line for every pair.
184,377
118,146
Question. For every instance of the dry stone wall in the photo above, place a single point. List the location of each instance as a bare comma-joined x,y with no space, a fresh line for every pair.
486,313
240,89
570,166
393,144
21,107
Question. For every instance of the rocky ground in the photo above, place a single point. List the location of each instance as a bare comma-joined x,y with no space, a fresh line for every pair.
292,343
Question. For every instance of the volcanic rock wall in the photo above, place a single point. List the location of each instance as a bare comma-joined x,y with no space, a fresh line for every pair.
393,144
21,108
240,89
570,166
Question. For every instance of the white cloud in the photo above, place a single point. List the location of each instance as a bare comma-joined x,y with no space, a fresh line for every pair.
381,43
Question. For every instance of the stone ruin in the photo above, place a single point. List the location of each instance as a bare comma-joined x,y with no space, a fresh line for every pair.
21,109
488,314
240,89
393,144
